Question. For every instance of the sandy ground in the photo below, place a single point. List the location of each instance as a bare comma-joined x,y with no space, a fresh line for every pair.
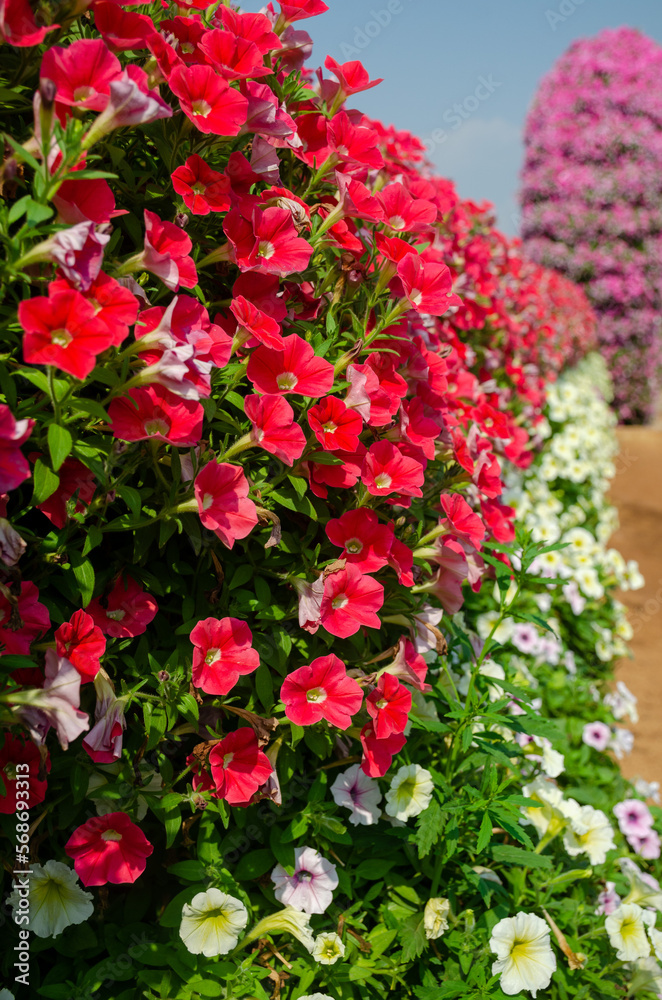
637,492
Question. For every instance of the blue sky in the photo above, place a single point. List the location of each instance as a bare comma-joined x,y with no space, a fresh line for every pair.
432,55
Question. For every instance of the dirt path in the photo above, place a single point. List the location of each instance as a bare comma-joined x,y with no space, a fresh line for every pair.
637,492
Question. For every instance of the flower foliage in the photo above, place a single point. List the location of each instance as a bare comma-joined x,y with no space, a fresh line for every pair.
591,197
271,392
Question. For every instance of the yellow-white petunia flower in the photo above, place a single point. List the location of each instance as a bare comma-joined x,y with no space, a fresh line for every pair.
212,922
525,960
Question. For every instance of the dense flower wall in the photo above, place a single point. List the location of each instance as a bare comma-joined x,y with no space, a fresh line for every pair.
283,675
591,196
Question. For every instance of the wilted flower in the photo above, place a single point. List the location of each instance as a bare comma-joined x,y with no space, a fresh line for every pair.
292,921
435,917
212,922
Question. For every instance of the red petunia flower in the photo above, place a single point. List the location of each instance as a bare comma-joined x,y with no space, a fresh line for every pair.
121,29
350,600
389,705
386,470
108,848
404,213
460,519
75,478
378,754
22,620
82,73
376,389
63,330
114,305
297,10
233,57
339,477
401,559
295,369
223,652
274,427
352,76
352,143
154,412
18,751
90,199
221,491
252,322
82,643
18,26
204,190
321,690
127,611
188,32
238,767
268,243
255,28
335,425
14,466
427,286
208,100
365,543
263,291
166,253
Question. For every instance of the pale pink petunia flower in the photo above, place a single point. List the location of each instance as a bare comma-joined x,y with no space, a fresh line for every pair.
310,888
596,735
360,794
634,817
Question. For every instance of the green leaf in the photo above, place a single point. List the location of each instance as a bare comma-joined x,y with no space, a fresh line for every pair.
45,482
253,865
192,871
36,213
84,573
484,834
301,505
429,828
374,868
412,935
59,444
265,687
131,498
518,856
18,209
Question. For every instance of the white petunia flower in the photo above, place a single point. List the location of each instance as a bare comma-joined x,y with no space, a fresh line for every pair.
212,922
590,833
410,792
328,948
435,917
627,933
56,899
525,960
316,996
